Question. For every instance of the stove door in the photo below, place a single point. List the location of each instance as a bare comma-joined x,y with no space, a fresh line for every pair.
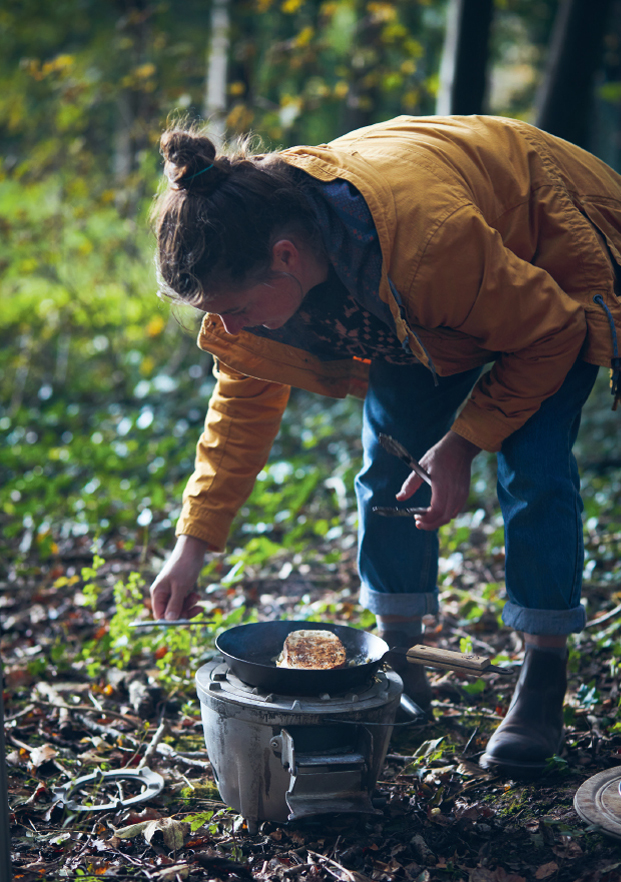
328,782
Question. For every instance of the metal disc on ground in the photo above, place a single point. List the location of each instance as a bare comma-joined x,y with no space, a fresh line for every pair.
598,801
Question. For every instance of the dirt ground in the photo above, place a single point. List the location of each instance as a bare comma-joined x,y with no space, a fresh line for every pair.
442,817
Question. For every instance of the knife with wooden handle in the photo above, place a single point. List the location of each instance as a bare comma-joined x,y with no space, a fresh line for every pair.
448,660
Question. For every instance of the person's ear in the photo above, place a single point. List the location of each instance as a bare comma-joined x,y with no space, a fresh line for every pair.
285,255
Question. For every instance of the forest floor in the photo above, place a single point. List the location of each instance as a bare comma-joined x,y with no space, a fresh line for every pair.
69,712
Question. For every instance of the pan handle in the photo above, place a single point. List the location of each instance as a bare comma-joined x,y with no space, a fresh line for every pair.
446,659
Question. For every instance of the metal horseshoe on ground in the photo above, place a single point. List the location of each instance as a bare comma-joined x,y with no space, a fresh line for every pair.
152,784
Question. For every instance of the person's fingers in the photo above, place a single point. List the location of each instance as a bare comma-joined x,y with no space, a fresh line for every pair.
177,603
160,593
409,487
190,609
440,511
170,599
433,519
426,522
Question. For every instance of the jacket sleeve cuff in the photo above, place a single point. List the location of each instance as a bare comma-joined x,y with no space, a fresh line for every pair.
210,526
481,428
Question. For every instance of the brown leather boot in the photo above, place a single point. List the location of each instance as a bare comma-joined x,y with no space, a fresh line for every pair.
415,683
532,731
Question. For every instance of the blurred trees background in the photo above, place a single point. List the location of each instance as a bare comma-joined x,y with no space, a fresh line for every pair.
102,393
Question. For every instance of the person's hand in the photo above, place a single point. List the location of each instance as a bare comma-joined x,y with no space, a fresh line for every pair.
448,464
173,593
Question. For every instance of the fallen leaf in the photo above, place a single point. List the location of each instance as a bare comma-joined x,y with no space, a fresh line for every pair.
471,770
92,756
568,849
43,754
546,870
16,677
198,842
147,814
173,832
436,774
15,758
501,875
38,794
481,874
132,830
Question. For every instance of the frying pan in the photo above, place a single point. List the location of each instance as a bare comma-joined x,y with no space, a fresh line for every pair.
251,651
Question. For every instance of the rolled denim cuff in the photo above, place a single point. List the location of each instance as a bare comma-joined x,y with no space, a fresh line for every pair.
382,604
556,622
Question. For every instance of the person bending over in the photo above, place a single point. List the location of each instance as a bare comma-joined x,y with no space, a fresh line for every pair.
459,273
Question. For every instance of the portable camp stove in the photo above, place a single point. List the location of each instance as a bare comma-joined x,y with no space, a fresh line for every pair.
284,757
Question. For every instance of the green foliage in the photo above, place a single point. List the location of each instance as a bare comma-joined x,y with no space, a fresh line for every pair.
90,590
198,820
426,753
588,695
465,644
556,764
175,651
129,601
102,394
475,688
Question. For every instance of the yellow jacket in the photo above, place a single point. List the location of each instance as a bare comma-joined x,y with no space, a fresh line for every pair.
496,236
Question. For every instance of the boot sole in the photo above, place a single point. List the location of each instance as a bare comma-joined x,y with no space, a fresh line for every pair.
509,768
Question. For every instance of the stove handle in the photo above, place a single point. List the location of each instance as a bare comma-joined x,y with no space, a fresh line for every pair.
283,744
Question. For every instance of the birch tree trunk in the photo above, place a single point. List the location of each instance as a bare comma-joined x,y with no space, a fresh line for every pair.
215,105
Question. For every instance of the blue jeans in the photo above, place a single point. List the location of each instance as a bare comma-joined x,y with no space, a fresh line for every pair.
538,490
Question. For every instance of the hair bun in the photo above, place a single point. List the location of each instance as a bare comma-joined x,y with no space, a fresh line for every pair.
190,160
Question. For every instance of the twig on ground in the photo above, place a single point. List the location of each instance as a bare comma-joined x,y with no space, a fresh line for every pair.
19,743
21,713
96,704
595,623
171,754
102,729
87,707
347,874
53,696
470,740
152,746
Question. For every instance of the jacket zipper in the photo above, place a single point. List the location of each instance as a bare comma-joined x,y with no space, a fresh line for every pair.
615,361
405,343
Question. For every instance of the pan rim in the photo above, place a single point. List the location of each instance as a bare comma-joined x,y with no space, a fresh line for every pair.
378,643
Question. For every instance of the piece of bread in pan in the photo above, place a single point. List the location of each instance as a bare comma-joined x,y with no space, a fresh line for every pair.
312,651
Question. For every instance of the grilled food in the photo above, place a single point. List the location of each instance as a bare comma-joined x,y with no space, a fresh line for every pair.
312,650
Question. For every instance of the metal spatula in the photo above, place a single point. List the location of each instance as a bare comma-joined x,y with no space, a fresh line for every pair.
393,447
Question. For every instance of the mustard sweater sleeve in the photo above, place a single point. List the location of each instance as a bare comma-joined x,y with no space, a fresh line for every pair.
469,281
242,422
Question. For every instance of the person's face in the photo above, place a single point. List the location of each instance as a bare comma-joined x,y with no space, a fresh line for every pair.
268,304
271,304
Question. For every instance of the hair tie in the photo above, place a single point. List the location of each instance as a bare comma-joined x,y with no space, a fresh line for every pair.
201,172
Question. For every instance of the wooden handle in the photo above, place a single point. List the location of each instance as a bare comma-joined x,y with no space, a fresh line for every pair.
446,659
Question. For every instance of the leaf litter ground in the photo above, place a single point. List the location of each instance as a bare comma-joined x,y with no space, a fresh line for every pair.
443,817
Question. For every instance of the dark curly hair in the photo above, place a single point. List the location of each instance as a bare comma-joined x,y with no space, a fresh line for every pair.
220,214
